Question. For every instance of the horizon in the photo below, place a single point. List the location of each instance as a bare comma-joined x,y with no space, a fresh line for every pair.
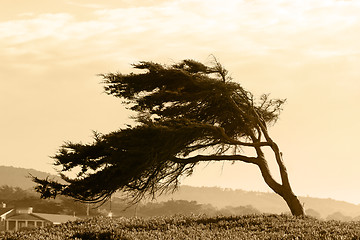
305,51
221,188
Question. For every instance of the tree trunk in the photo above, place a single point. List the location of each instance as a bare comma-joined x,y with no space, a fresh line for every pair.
284,190
293,202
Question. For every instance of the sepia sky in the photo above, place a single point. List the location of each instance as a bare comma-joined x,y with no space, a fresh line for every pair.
305,51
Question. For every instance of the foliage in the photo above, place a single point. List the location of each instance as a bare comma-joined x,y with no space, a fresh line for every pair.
15,197
12,193
171,207
195,227
184,110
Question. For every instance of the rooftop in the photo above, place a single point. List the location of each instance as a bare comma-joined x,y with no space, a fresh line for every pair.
24,217
5,210
56,218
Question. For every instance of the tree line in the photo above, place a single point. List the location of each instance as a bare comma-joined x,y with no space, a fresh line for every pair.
18,198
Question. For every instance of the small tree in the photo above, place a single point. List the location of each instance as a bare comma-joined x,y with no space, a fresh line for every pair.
187,113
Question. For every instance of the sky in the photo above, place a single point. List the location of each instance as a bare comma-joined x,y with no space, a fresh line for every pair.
305,51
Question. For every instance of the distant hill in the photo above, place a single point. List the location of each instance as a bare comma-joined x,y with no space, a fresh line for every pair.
217,197
265,202
20,177
220,197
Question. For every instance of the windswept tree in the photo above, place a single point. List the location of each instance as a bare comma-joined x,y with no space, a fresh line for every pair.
188,113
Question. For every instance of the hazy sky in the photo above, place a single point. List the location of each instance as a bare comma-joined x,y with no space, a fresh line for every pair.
305,51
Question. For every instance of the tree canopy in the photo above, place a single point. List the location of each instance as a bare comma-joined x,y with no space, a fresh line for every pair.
187,113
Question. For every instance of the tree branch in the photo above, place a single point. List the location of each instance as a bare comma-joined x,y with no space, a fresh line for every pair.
283,171
278,155
229,140
258,150
265,171
276,150
207,158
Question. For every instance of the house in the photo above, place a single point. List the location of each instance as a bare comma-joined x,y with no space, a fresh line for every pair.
26,218
4,213
23,218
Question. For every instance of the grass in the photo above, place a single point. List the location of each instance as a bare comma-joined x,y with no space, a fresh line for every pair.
195,227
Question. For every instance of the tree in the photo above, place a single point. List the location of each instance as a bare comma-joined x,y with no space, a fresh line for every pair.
188,113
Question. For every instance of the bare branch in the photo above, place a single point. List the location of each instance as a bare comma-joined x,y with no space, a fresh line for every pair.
219,69
207,158
236,142
265,172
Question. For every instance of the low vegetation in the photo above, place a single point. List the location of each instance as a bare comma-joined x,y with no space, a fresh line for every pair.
15,197
195,227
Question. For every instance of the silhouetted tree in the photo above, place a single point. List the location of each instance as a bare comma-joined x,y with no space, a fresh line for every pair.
311,212
241,210
187,113
170,207
338,216
12,193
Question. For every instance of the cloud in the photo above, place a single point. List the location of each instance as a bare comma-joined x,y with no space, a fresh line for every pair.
271,34
249,27
278,36
86,5
42,26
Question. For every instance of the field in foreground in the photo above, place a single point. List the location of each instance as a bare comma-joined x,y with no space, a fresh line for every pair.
195,227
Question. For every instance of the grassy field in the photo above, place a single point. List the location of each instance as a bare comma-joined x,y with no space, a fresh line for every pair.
195,227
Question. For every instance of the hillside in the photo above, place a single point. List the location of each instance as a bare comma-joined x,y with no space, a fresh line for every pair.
20,177
217,197
265,202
